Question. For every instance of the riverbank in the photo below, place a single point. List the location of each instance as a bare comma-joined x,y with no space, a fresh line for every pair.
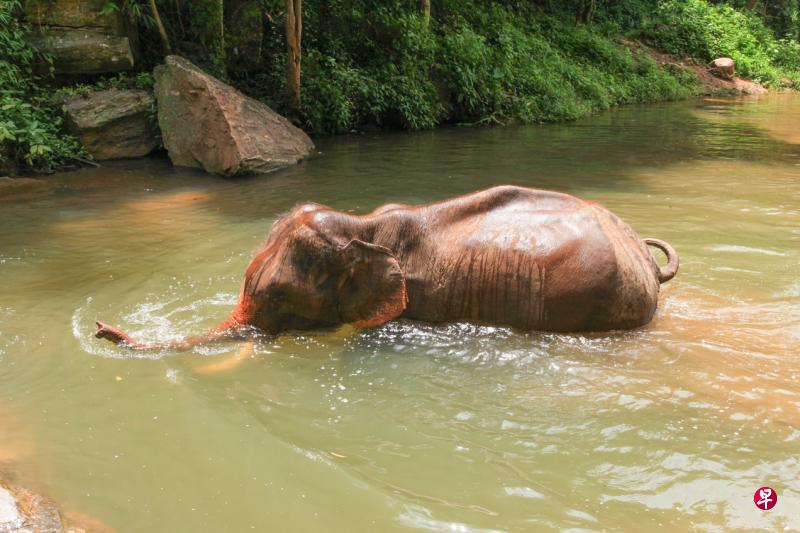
204,123
468,63
708,82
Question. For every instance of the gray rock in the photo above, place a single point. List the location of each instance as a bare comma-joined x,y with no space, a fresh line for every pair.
10,518
73,14
80,36
85,51
22,511
210,125
113,124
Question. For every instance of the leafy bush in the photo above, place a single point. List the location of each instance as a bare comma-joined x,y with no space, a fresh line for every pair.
30,124
361,65
331,92
479,62
705,31
141,80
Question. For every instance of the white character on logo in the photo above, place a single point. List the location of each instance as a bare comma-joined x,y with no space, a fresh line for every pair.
764,494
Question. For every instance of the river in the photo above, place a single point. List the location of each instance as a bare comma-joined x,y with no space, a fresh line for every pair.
412,426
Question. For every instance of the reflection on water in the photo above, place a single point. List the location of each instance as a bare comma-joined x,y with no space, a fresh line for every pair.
16,444
412,426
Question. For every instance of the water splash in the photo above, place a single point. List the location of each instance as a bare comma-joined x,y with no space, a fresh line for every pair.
155,321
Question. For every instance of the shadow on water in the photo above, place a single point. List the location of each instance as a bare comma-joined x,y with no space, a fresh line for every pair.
362,171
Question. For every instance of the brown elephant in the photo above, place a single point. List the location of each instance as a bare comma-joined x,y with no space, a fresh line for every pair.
511,256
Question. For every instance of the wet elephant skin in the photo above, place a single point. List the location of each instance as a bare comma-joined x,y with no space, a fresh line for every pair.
510,256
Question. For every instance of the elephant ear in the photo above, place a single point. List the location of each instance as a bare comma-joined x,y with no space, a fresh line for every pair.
372,289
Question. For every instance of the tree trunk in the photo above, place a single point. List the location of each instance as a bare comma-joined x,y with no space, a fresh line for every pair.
162,33
586,9
221,28
752,4
425,9
294,35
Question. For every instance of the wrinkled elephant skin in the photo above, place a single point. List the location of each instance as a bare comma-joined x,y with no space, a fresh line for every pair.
512,256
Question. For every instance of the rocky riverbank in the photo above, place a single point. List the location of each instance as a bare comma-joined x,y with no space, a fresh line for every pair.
202,122
202,85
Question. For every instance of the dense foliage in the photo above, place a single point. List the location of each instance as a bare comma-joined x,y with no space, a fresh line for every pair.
475,63
705,31
30,127
389,64
482,62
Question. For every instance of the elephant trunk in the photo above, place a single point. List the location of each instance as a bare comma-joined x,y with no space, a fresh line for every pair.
231,328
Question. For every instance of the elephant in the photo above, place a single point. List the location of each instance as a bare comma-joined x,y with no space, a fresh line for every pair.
507,256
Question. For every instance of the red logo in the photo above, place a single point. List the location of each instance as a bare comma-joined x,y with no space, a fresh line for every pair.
765,498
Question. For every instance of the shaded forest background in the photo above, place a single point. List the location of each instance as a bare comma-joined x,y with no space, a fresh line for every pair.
335,66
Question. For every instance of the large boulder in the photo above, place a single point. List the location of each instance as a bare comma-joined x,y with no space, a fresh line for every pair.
723,67
83,36
210,125
113,124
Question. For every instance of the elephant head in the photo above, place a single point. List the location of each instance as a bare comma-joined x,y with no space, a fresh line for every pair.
314,270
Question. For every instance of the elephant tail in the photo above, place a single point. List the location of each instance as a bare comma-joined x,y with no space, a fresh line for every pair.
231,328
668,271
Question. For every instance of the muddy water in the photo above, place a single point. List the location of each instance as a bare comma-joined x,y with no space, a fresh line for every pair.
409,426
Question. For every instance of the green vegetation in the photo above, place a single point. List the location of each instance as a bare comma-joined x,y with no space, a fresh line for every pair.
142,80
474,63
705,31
418,64
30,126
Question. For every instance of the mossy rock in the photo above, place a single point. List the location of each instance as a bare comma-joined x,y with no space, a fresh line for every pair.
113,124
81,38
